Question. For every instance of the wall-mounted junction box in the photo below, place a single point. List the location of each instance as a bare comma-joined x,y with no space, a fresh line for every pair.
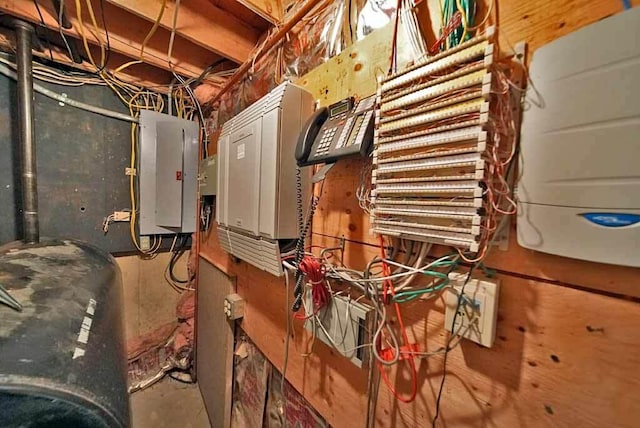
350,333
168,174
208,176
234,306
478,311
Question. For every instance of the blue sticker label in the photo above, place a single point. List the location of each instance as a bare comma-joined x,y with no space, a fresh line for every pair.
612,219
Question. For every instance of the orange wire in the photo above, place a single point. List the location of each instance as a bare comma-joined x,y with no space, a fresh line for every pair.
387,284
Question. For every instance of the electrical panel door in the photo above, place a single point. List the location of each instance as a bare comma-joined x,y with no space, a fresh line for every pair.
168,174
169,159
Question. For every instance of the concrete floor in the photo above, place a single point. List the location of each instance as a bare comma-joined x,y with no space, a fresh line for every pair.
169,404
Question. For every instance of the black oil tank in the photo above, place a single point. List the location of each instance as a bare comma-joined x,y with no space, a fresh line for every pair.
62,359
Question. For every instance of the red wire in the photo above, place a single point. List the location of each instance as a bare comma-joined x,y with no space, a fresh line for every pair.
388,285
314,272
453,23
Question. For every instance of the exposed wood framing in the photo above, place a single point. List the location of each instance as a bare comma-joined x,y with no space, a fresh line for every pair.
270,43
244,14
126,33
201,23
271,10
139,74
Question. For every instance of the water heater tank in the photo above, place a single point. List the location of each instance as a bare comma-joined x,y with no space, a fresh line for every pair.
62,359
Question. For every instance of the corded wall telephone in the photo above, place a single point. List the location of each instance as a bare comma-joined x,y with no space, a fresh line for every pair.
340,130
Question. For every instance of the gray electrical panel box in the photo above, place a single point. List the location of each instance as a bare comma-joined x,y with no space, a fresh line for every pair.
168,174
209,176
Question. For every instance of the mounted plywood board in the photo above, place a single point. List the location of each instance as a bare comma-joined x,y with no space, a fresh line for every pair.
556,359
214,343
339,215
355,70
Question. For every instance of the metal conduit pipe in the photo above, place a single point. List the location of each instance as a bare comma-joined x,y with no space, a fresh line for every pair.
68,101
31,226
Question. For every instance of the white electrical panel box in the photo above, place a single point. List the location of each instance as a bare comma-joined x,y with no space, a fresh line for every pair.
579,192
256,197
478,310
167,174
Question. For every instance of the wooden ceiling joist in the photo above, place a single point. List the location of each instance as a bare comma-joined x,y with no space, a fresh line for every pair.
201,23
271,10
245,14
126,33
140,74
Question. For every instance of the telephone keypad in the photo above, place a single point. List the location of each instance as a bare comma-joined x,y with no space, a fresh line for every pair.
325,141
331,141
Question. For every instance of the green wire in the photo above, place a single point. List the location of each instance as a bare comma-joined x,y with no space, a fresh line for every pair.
449,9
407,296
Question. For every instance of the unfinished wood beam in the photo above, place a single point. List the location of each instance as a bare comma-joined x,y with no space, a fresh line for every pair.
201,23
271,10
141,74
270,43
244,14
126,33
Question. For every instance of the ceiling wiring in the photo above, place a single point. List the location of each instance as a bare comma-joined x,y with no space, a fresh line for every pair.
62,35
146,39
42,26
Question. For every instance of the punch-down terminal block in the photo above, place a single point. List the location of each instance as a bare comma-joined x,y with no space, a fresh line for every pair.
430,145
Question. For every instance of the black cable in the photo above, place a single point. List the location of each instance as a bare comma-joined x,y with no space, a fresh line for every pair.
304,228
208,70
43,25
106,32
175,256
298,288
447,349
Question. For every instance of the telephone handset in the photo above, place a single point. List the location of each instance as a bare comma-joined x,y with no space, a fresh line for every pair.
340,130
308,135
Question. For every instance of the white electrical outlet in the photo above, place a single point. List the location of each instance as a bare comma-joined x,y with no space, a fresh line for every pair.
478,311
121,216
145,242
234,306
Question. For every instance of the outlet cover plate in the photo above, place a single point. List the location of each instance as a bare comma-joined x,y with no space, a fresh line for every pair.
480,305
350,333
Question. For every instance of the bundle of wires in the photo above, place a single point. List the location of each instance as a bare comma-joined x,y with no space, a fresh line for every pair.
393,283
313,270
467,11
179,285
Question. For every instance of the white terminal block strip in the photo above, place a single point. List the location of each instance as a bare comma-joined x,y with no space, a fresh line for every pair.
430,147
478,310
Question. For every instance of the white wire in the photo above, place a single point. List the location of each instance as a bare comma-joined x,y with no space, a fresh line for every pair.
410,270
